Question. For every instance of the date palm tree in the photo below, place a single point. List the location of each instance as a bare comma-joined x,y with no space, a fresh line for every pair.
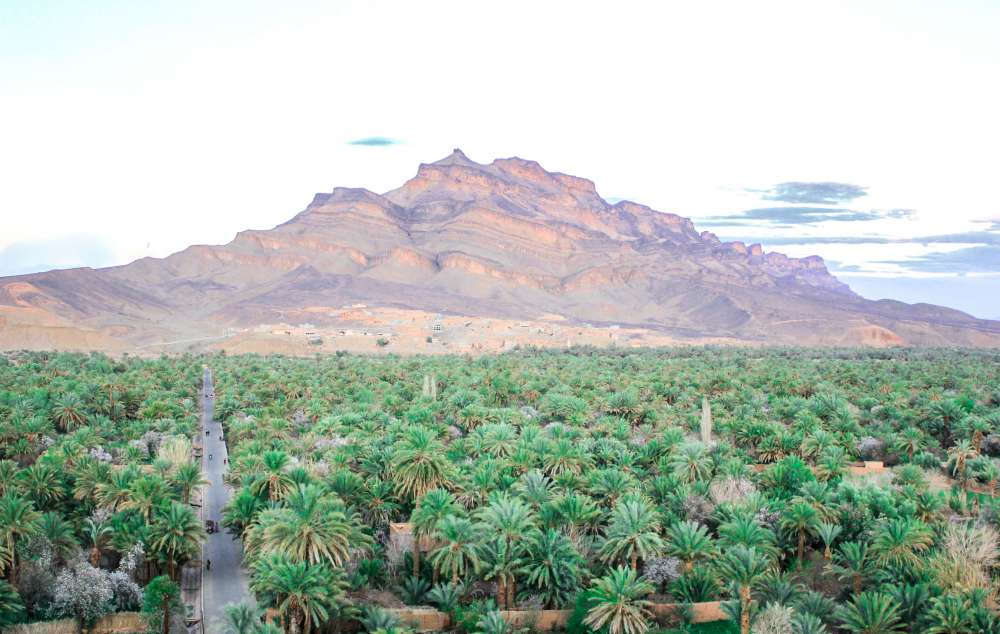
688,541
11,605
240,618
274,482
744,567
41,482
176,535
18,520
303,593
419,464
458,552
619,603
434,506
97,536
188,477
503,560
909,441
870,613
68,412
510,520
313,527
950,615
901,542
958,461
145,495
691,462
59,534
745,531
633,533
553,567
829,533
851,561
800,519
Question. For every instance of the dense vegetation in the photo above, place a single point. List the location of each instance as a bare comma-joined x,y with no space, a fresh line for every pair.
574,480
96,473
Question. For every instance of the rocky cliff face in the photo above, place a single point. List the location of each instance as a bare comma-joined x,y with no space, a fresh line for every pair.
508,239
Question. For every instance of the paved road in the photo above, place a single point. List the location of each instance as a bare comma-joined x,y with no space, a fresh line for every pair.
226,581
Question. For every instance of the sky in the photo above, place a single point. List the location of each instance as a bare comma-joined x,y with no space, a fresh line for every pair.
866,132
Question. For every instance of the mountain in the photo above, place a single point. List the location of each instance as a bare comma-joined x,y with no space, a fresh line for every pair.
488,248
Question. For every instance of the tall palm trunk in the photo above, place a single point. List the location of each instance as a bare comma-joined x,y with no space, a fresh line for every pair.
635,561
416,554
745,609
510,593
502,593
857,584
802,545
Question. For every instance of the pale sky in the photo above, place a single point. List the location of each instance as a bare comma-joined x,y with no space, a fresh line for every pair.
137,128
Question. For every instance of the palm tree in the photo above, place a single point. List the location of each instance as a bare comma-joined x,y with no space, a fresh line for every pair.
11,606
510,519
744,530
870,613
619,603
503,560
958,460
145,495
688,541
691,462
240,618
68,412
241,511
553,567
800,519
745,567
312,527
433,506
949,615
275,481
42,483
302,592
115,491
18,520
459,550
900,542
176,536
188,477
852,562
97,535
420,465
59,534
829,533
633,533
909,441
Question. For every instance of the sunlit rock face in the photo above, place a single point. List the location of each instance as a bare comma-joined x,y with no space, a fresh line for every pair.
506,239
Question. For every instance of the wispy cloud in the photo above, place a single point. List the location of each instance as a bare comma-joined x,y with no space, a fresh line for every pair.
824,193
800,215
375,141
978,259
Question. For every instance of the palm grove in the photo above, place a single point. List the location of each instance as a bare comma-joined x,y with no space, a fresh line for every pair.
563,480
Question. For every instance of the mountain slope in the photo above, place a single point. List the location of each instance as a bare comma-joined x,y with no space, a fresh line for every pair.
507,240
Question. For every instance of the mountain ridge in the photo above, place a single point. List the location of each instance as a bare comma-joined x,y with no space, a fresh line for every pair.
505,240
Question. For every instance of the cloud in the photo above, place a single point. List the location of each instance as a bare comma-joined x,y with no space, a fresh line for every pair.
63,252
967,237
978,259
801,215
825,193
375,141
